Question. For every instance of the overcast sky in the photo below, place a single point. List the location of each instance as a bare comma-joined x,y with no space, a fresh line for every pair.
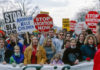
57,9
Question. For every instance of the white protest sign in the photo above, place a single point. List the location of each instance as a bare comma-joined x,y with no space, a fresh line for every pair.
79,26
25,24
10,18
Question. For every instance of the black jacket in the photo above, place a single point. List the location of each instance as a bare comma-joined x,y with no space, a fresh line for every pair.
71,55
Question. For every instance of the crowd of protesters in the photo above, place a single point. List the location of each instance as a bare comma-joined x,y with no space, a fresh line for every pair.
62,47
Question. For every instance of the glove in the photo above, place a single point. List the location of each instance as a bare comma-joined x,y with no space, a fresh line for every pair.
88,58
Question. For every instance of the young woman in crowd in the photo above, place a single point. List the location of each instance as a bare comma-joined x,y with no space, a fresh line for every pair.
72,55
80,41
56,60
49,48
89,48
34,53
17,57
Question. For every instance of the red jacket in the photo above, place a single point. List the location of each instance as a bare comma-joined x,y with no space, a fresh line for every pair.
97,60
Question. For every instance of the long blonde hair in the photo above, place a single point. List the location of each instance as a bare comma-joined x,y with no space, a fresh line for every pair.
87,38
52,46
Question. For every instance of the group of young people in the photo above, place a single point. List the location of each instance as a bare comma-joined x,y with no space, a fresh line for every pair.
62,47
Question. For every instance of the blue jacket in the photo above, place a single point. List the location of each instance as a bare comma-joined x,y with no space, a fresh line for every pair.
11,48
87,51
17,59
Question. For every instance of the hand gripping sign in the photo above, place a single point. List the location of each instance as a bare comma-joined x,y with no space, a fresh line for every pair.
43,22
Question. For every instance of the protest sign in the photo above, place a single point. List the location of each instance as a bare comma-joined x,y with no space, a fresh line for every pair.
91,19
10,18
65,24
43,22
72,25
79,26
25,24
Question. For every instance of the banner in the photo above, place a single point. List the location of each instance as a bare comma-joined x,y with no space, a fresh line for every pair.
43,22
10,19
91,19
65,24
25,24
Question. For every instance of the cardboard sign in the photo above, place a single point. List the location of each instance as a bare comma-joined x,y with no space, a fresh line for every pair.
91,19
65,24
79,26
72,25
43,22
10,18
25,24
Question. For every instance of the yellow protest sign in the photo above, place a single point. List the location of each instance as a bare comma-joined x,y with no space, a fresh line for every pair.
44,12
65,24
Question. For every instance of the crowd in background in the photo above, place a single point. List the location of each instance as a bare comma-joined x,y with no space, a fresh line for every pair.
62,47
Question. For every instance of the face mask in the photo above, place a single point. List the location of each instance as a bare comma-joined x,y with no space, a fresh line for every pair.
17,54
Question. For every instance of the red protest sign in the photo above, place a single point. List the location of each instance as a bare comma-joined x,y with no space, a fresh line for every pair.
91,19
72,25
43,22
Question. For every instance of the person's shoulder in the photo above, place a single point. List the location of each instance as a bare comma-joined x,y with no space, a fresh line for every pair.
83,46
8,45
68,49
28,47
22,55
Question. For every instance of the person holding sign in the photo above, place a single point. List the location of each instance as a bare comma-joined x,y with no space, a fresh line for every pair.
34,54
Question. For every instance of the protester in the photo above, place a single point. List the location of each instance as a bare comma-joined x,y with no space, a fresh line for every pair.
17,57
60,42
26,41
80,41
66,44
10,47
50,35
68,36
49,48
96,65
89,48
56,60
72,55
34,54
2,50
